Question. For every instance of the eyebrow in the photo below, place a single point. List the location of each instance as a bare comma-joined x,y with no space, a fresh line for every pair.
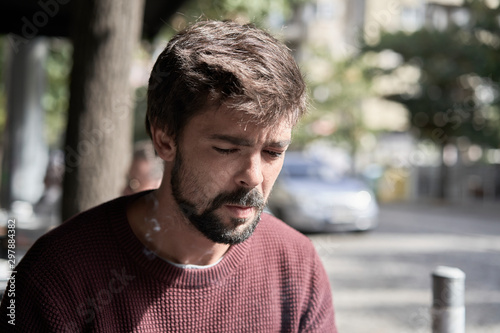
246,142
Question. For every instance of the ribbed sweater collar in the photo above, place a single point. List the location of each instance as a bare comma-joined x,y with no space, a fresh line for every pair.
161,270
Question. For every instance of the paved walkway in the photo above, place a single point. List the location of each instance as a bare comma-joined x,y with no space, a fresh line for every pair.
381,280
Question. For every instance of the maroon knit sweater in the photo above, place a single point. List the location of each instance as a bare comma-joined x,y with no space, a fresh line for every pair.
92,274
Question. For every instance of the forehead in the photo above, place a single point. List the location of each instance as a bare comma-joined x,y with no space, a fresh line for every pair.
228,122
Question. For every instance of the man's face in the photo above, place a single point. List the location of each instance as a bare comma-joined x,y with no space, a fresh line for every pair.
224,171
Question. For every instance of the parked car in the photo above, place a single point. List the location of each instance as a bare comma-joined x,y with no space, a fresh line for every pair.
311,197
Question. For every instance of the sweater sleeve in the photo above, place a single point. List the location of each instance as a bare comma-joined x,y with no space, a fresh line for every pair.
36,296
319,317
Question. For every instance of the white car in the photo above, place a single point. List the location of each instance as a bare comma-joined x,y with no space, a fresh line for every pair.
311,197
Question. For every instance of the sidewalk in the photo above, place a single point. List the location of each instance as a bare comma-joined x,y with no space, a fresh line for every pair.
381,280
489,210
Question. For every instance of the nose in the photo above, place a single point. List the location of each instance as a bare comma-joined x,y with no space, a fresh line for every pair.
251,174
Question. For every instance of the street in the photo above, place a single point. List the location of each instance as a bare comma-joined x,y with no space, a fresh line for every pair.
381,280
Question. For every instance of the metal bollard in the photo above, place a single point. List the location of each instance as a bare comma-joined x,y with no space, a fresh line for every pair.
448,305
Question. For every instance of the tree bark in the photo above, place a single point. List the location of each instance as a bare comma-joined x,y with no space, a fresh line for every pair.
99,132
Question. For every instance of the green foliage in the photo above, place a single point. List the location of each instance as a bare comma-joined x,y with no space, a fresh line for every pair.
263,13
337,87
56,98
457,91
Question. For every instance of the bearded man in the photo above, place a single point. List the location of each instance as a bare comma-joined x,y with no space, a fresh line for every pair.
197,254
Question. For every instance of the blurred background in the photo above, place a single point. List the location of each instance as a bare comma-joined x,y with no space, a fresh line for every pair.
402,140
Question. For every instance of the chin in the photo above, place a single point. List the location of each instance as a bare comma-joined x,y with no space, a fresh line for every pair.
242,230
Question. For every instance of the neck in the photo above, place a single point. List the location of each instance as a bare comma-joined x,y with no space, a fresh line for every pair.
159,224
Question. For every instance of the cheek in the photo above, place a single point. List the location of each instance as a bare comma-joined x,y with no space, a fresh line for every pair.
220,178
207,180
270,178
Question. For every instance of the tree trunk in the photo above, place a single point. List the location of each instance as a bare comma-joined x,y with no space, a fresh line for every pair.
99,131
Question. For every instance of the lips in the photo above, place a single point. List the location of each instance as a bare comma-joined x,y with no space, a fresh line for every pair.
240,212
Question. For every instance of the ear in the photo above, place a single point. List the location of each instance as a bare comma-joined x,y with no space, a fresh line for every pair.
164,144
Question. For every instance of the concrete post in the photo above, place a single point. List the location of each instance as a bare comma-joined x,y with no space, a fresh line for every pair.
448,306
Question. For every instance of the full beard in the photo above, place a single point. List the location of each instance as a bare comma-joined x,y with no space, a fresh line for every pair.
207,221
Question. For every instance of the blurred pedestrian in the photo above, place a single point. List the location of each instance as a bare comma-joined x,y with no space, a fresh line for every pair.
49,204
198,254
146,169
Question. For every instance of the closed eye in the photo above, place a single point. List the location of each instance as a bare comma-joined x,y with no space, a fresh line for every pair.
225,151
274,154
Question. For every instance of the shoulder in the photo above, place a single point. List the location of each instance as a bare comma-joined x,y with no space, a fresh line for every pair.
88,222
271,226
82,234
292,256
276,236
289,257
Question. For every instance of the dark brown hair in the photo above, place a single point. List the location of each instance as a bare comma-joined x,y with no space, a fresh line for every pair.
222,62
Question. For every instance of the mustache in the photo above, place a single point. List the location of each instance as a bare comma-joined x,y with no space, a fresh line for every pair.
241,197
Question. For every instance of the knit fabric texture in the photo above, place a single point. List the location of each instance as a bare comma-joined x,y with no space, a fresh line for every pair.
92,274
